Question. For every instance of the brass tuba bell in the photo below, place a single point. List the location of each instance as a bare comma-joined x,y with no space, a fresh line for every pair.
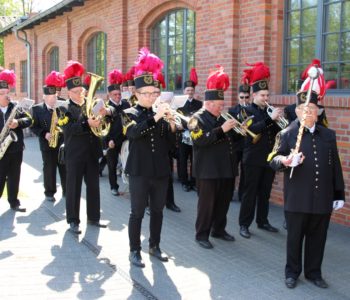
104,127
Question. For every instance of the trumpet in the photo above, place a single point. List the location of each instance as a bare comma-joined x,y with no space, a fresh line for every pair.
281,121
178,117
240,128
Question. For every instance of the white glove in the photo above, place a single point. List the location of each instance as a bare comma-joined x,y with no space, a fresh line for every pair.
296,160
338,204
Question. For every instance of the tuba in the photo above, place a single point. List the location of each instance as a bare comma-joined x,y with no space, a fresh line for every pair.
103,129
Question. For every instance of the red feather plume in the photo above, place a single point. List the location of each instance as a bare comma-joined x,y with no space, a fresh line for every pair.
73,69
115,77
147,62
193,76
218,80
9,76
87,80
55,79
160,78
130,74
259,71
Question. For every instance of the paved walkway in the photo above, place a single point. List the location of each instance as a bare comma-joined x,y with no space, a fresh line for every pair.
40,259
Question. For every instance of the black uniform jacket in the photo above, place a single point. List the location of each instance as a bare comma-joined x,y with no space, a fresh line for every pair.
213,150
256,154
318,181
42,124
80,142
290,114
24,120
116,130
149,143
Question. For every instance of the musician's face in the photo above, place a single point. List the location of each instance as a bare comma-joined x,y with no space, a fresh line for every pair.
244,98
4,100
50,100
260,97
77,94
147,95
311,113
125,88
215,107
132,89
115,95
189,91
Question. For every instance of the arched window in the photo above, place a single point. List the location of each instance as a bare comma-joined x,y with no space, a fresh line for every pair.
96,56
52,60
173,40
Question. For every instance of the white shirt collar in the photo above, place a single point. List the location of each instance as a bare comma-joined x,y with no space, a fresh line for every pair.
115,103
4,109
312,129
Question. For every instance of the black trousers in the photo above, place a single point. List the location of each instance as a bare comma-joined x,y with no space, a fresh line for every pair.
239,155
112,162
144,191
214,196
50,165
185,153
10,172
76,171
256,192
312,229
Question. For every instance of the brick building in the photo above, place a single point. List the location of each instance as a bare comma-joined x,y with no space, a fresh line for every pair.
107,34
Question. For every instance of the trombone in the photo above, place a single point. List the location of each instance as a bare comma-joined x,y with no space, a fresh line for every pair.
281,121
240,128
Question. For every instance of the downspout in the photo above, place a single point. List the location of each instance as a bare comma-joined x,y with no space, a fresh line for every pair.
29,64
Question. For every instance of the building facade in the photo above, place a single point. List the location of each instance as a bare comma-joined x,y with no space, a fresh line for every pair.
107,34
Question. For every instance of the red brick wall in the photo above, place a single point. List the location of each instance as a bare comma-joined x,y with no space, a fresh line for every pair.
228,32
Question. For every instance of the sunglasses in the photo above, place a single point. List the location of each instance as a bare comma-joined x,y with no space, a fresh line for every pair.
244,97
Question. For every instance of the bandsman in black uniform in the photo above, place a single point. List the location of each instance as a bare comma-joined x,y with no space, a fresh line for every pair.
82,151
185,143
239,113
148,168
213,162
131,86
259,176
315,188
114,139
12,155
45,116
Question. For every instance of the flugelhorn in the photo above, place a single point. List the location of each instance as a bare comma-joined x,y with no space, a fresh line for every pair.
241,129
281,121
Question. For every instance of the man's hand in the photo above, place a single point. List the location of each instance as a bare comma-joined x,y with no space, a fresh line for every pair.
111,144
94,122
338,204
13,124
293,160
162,110
48,136
277,113
228,125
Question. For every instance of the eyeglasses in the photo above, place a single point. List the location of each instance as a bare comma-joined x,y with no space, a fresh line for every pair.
149,94
244,97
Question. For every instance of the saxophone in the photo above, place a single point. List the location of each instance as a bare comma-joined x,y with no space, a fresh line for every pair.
7,136
54,130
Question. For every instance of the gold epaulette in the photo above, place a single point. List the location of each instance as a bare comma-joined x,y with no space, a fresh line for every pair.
196,134
275,147
62,120
126,126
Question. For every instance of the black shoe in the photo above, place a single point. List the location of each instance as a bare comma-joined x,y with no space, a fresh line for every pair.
18,208
186,187
244,232
268,227
173,207
97,224
319,282
156,252
290,282
225,236
136,259
73,227
193,188
50,198
115,192
205,244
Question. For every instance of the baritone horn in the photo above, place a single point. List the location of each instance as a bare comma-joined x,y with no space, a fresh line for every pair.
241,129
281,121
103,129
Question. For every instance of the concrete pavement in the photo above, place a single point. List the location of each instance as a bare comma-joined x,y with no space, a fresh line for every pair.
39,258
